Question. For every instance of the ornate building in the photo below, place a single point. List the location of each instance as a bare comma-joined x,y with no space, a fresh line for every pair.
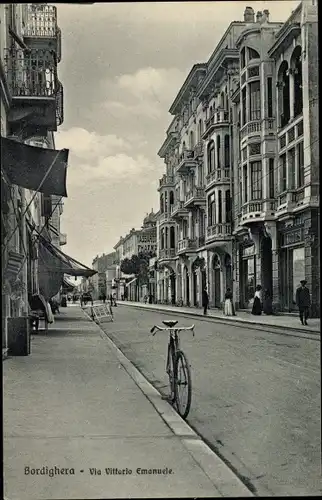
239,200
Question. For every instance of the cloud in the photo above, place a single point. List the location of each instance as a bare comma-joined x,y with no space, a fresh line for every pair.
148,92
89,145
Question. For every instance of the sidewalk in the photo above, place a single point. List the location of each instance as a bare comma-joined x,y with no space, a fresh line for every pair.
280,321
78,411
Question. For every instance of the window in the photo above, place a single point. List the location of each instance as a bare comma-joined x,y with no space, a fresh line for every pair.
192,139
161,204
256,180
200,130
242,58
211,156
300,152
171,198
218,152
211,210
271,178
283,186
227,151
245,182
298,85
291,168
244,109
228,206
269,97
219,207
253,54
255,101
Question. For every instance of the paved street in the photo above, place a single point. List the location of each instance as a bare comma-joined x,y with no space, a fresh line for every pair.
256,395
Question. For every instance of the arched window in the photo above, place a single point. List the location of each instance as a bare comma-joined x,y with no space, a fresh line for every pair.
183,146
171,198
211,210
200,130
227,151
211,156
296,65
228,206
211,111
252,54
222,100
284,94
192,139
216,262
172,237
218,152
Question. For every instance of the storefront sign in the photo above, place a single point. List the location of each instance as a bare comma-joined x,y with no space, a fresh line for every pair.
292,237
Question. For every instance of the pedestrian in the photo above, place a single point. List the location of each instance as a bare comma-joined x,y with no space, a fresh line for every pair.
114,300
150,298
303,301
104,297
145,299
228,305
267,302
257,305
205,300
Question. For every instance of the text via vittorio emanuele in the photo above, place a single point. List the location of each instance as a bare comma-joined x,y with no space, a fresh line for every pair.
56,471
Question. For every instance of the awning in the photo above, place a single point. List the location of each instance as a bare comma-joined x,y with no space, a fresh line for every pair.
132,281
67,284
31,167
53,264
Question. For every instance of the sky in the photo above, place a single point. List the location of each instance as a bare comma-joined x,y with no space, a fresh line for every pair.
122,66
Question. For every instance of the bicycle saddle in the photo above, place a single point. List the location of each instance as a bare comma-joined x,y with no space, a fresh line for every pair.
170,323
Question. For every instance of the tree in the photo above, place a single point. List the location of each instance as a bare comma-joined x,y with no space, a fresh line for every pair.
139,266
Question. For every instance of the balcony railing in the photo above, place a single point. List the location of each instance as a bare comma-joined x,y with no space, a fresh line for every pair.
250,128
41,21
218,175
166,180
197,193
187,244
32,73
164,216
298,195
251,207
219,230
217,119
167,253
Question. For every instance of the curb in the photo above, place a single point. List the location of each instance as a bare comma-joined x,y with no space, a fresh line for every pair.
310,335
224,479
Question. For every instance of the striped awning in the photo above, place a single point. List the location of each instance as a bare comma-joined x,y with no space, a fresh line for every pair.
132,281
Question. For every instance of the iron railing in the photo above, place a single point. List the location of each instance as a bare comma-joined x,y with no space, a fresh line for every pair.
219,230
41,21
31,73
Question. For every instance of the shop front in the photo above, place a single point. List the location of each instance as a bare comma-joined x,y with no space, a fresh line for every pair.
247,274
292,265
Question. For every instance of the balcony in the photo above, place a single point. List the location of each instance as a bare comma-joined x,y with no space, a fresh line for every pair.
179,211
37,94
186,161
165,217
167,254
251,128
217,120
188,245
62,239
289,201
219,232
219,175
166,181
41,30
252,211
195,197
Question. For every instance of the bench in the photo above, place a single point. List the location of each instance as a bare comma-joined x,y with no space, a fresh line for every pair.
101,312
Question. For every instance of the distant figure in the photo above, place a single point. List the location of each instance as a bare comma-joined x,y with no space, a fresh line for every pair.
150,298
257,305
228,305
303,301
103,298
267,303
114,299
145,299
205,301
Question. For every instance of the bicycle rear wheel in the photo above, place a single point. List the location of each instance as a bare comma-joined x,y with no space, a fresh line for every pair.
183,386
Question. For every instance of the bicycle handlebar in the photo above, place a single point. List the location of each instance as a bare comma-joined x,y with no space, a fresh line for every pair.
155,328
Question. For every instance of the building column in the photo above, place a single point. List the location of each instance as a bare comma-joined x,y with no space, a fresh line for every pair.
223,203
271,230
190,273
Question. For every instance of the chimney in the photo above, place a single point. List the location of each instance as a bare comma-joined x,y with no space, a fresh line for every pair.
266,14
259,16
249,15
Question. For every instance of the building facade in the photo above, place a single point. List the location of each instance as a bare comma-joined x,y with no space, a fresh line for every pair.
239,202
31,111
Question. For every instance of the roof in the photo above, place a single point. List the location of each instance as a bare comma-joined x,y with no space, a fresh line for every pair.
190,81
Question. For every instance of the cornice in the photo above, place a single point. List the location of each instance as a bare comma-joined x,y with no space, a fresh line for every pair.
197,68
288,34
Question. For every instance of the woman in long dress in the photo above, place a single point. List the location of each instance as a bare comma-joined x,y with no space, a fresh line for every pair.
257,305
228,305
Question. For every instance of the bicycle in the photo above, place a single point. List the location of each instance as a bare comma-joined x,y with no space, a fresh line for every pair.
177,368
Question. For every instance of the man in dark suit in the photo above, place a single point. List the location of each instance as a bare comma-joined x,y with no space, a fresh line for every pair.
303,301
205,300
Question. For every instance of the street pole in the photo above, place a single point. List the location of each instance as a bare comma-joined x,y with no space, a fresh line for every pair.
25,246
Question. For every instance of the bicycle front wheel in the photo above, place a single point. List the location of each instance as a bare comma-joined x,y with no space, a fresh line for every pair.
183,386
